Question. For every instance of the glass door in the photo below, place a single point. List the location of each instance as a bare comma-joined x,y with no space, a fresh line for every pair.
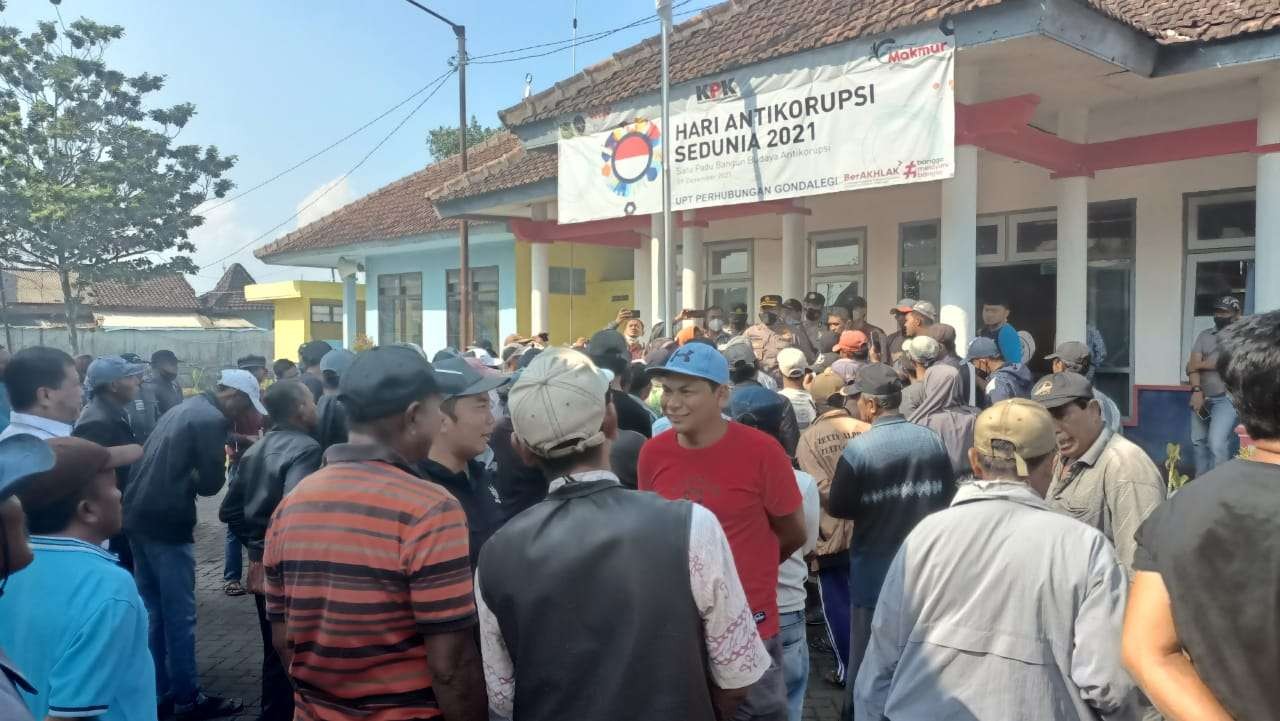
1209,277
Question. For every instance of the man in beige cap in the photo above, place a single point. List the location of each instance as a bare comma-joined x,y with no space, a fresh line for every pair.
553,583
998,607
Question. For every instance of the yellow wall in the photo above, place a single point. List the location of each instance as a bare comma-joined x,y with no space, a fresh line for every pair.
292,301
609,287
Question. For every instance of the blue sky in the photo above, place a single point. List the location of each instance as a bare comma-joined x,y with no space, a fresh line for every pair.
274,81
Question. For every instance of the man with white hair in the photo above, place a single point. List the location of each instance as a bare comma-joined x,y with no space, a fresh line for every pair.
592,539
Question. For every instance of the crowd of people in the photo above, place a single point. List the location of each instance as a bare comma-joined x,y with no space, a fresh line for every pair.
644,527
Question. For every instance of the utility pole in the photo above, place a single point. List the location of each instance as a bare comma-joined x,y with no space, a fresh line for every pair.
464,250
665,305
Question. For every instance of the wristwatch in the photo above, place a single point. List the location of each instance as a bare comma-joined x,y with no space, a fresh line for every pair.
1196,389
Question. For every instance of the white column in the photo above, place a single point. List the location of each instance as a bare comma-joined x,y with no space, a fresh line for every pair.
794,254
642,274
691,265
657,271
349,307
960,228
1267,275
1073,237
539,279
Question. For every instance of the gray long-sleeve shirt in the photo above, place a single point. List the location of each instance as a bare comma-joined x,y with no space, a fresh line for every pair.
998,608
185,456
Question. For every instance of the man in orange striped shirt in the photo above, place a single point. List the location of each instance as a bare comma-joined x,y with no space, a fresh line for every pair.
369,587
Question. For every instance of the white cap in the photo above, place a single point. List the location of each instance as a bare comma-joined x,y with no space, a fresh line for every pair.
558,405
244,382
792,363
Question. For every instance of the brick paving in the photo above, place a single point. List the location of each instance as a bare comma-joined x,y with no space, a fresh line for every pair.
229,650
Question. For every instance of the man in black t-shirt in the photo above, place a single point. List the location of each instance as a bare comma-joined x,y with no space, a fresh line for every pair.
1201,635
608,350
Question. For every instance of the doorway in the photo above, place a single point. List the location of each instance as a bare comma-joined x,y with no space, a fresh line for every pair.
1031,290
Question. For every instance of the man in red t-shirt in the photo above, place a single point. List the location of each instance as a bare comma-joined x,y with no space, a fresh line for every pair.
742,476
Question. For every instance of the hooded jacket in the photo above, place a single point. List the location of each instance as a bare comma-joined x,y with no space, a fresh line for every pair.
1013,380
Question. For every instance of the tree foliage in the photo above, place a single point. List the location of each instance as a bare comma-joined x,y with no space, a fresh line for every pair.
442,142
92,184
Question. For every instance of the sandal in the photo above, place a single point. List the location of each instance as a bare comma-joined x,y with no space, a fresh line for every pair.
233,588
211,707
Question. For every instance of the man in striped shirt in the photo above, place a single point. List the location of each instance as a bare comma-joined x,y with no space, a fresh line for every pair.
369,588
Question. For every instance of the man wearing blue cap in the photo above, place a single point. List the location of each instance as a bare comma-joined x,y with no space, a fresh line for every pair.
113,384
1004,380
331,428
742,476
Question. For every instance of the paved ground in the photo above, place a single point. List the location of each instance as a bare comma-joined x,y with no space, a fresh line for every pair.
230,653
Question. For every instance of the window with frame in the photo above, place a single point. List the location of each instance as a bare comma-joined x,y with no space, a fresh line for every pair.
920,260
1220,229
568,281
484,305
728,276
837,264
323,311
1112,239
400,308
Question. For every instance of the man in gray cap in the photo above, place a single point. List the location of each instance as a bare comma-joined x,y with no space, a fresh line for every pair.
895,340
1074,357
22,456
331,426
114,384
1099,477
1049,648
464,435
1213,417
592,539
923,315
185,457
1004,380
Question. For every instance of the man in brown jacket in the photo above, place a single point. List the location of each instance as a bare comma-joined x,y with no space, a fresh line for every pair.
817,453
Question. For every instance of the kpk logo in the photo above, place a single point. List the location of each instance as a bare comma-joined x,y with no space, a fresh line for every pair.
726,88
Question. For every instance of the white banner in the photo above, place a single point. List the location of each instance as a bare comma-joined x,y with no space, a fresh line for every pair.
881,120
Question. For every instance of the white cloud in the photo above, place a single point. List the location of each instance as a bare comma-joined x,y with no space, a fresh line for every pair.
324,200
224,231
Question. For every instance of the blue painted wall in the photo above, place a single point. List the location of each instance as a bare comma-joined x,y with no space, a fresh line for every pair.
486,250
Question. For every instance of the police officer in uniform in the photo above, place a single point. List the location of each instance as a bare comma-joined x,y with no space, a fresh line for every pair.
814,320
770,335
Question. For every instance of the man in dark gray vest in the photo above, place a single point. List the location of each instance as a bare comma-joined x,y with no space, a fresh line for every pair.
582,598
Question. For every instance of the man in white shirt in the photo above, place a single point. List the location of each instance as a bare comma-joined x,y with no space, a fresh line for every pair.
595,567
795,371
44,389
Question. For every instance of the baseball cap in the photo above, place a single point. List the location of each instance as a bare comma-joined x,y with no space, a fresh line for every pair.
527,357
851,340
904,306
1024,424
875,379
337,360
756,406
132,357
164,356
944,333
699,361
926,309
793,304
108,368
22,456
922,349
739,350
983,347
244,382
76,462
558,406
515,349
1073,353
770,301
686,334
657,357
792,363
846,368
814,298
312,351
1227,302
384,380
457,378
484,356
1059,389
826,386
254,361
608,342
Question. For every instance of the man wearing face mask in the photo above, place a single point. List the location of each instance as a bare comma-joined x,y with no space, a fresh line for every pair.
632,328
1213,418
770,335
163,386
717,331
813,321
793,316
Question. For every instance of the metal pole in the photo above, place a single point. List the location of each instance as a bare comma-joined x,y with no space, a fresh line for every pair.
464,240
4,309
666,306
573,48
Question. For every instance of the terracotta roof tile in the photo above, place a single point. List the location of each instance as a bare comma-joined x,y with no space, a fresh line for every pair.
165,292
517,168
398,210
743,32
228,294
